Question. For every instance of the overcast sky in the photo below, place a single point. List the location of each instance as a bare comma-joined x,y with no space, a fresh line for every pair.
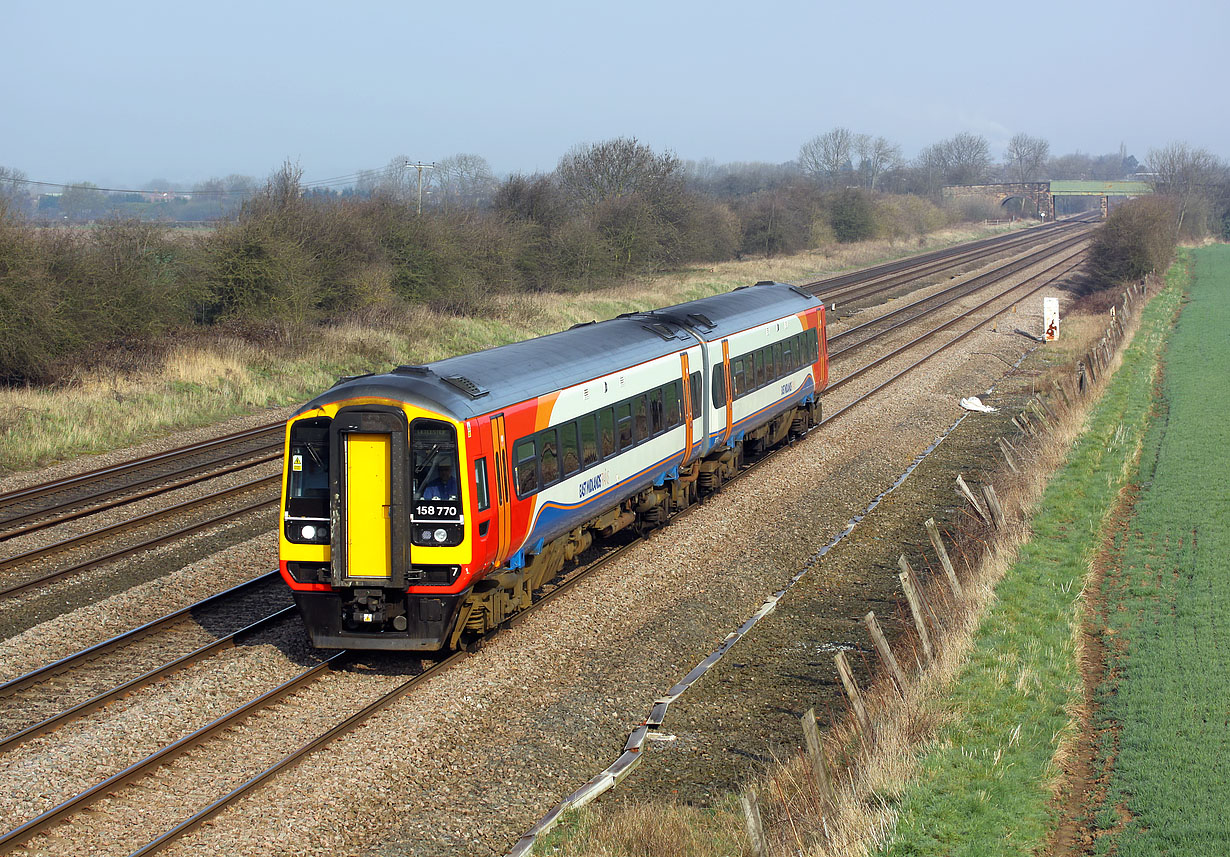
122,92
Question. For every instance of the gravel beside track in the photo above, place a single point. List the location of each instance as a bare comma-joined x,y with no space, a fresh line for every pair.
471,759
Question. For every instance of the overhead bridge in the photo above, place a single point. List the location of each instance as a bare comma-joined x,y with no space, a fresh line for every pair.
1042,194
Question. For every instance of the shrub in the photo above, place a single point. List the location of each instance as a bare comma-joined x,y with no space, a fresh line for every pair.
852,216
1138,237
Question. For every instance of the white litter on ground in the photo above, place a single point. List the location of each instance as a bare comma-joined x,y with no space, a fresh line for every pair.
973,403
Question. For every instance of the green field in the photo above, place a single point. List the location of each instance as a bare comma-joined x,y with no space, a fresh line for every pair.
1164,705
985,785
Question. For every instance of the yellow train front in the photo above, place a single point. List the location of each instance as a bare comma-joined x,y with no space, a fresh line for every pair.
425,505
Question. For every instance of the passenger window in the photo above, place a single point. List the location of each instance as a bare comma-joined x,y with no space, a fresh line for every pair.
779,368
640,416
569,452
788,354
589,439
480,485
813,346
656,425
760,369
695,393
623,420
607,419
526,467
673,417
549,455
719,387
739,376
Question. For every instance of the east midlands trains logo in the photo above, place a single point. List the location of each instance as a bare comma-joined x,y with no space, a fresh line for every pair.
594,484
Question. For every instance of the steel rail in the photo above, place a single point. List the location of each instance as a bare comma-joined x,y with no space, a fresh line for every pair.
845,379
956,293
99,700
60,518
14,837
871,288
16,588
139,520
136,464
99,649
946,253
971,330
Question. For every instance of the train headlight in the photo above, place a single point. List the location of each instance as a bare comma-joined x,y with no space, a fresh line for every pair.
308,532
441,535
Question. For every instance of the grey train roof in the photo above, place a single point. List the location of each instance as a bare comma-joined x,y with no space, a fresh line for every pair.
470,385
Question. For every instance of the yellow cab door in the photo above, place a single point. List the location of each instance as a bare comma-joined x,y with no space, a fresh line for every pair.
367,482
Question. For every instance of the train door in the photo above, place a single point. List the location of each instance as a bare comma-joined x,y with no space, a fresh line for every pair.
501,498
730,410
368,539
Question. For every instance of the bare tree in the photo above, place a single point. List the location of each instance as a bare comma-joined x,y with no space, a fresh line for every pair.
14,191
876,156
825,157
462,181
594,173
966,158
1026,156
1189,174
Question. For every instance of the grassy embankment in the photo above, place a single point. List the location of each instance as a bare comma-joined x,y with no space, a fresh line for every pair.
1164,700
207,380
985,786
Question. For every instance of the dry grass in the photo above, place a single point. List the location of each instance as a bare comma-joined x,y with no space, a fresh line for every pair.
649,830
207,380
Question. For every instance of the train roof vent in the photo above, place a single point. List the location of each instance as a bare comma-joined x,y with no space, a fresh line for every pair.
663,330
412,370
699,319
465,385
767,283
806,294
583,324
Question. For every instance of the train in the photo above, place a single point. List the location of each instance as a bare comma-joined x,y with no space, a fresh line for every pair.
422,507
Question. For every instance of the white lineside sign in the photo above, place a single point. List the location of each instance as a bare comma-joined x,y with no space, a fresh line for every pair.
1050,318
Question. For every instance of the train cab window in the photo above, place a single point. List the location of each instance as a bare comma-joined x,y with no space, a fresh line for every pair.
606,421
307,495
694,387
623,419
589,439
525,466
569,450
482,498
656,421
548,456
760,382
433,449
719,387
640,417
673,416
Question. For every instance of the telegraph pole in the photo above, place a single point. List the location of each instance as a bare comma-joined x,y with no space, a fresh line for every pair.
420,167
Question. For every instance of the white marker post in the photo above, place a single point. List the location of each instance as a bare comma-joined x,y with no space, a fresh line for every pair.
1050,318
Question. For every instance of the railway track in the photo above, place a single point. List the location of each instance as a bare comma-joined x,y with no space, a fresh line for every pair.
30,509
974,318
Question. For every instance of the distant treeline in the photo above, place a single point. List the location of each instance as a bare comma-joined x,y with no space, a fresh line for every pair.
71,296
